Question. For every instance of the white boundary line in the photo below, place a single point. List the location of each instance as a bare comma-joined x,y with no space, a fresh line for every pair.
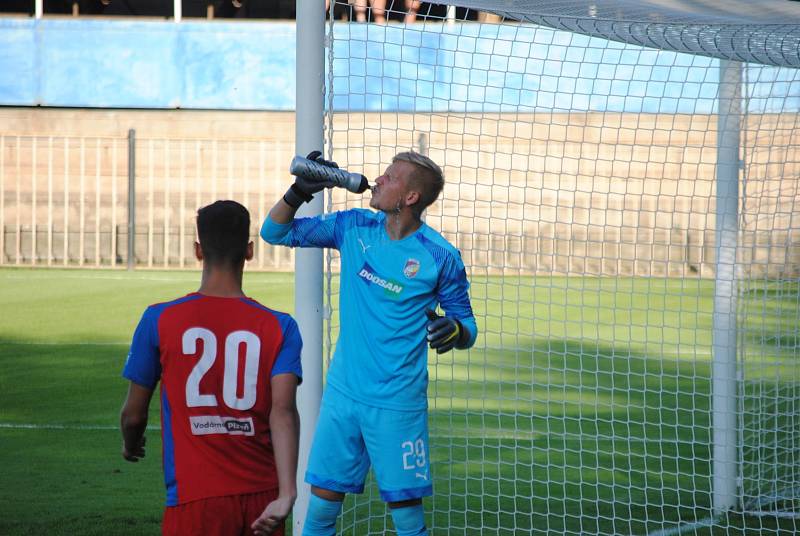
62,343
685,527
33,426
60,426
102,277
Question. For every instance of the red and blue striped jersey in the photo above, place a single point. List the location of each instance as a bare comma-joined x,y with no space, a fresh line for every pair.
215,358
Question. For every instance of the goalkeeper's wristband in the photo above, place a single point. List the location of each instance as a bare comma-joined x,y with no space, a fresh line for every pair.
295,197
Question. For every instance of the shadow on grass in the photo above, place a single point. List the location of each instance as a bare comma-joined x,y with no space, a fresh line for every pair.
567,438
61,383
63,473
68,482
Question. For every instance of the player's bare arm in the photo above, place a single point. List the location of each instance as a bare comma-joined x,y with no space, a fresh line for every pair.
284,425
282,212
133,421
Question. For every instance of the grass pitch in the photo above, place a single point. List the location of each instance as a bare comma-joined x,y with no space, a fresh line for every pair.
64,336
584,409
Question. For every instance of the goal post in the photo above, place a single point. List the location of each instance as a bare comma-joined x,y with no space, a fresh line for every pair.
724,357
623,183
309,271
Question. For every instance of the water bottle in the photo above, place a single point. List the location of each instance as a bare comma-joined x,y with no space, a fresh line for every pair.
355,182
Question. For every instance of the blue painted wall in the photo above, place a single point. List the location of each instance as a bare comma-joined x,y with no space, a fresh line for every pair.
147,64
432,67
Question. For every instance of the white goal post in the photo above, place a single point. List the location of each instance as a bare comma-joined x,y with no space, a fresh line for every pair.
623,183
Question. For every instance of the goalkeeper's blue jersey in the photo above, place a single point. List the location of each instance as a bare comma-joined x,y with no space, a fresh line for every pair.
386,285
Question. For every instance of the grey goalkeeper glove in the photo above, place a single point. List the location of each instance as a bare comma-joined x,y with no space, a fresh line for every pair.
445,333
304,188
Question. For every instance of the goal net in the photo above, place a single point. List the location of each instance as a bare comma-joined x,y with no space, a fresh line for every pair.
623,183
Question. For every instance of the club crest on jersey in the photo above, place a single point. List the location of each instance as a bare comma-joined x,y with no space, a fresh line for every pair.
411,268
391,288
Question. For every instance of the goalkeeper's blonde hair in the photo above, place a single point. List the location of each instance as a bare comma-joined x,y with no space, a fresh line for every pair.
428,176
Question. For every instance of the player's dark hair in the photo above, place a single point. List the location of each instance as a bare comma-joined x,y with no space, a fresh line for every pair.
223,230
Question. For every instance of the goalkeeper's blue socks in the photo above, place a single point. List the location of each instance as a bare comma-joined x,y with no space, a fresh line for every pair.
409,521
321,517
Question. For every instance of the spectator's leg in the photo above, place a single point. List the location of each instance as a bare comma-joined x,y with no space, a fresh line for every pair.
360,7
379,11
412,6
485,17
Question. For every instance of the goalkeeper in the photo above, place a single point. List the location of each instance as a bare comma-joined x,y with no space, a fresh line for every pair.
394,271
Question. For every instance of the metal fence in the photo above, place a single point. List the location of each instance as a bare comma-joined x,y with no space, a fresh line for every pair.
111,201
131,202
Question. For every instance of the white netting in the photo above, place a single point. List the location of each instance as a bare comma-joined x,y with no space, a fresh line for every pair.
581,191
765,32
770,297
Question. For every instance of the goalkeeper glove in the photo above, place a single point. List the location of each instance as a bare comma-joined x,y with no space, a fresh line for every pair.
304,188
445,333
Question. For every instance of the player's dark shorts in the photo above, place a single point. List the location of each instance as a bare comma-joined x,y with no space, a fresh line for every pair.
231,515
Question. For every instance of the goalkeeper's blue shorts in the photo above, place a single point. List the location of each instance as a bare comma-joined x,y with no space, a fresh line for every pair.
351,436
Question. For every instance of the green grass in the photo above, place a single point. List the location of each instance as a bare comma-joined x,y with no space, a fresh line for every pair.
584,409
63,341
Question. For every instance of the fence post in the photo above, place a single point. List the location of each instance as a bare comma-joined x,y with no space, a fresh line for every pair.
131,199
